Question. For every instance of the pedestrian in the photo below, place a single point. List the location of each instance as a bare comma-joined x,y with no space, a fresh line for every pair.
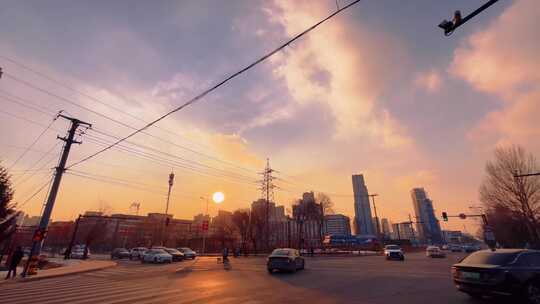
16,258
225,254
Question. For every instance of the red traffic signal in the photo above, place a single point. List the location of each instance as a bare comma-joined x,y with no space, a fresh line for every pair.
39,235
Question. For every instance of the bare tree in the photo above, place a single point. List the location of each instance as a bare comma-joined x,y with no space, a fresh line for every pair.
240,220
326,202
518,195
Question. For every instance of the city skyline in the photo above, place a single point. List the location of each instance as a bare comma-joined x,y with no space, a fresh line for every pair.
301,110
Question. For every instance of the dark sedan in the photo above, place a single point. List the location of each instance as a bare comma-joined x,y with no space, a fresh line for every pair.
285,259
176,255
513,272
120,253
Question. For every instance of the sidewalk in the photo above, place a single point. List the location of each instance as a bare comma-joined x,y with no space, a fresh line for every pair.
72,267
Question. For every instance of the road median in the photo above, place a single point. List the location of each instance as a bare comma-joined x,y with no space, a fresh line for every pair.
71,269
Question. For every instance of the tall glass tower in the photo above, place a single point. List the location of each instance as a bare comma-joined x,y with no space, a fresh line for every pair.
362,209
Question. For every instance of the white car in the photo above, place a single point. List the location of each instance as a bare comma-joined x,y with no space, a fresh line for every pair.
78,252
393,252
137,253
434,252
156,256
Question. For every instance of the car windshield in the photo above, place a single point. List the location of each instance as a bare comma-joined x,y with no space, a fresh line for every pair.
489,258
392,247
171,250
284,252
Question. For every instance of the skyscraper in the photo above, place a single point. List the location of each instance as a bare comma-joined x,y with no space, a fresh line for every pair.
429,229
362,209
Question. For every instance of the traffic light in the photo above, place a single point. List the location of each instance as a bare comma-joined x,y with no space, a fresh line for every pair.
205,226
39,235
445,216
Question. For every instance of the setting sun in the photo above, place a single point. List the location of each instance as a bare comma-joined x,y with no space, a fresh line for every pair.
218,197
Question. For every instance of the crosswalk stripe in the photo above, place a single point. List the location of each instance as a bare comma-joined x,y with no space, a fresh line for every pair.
53,293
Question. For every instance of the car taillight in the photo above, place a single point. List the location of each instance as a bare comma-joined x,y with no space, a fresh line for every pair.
455,272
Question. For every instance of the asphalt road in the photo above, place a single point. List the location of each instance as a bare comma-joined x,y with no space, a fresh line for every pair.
369,279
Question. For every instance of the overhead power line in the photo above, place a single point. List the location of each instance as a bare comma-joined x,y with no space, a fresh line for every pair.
33,143
93,98
219,84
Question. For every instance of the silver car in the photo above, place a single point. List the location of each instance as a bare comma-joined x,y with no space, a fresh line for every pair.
156,256
137,253
285,259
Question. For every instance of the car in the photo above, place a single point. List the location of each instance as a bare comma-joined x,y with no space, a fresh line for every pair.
120,253
394,252
176,254
156,256
435,252
470,248
188,253
137,253
288,259
78,252
455,248
444,247
511,272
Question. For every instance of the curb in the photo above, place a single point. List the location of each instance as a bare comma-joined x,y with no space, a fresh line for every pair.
44,277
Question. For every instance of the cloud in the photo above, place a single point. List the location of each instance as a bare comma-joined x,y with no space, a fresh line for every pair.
430,81
334,66
502,60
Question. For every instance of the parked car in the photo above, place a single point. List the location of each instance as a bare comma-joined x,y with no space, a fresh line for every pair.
285,259
514,272
435,252
120,253
188,253
470,248
137,253
156,256
176,255
393,252
455,248
78,252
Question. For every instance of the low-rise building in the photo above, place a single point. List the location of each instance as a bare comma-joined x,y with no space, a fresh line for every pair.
337,224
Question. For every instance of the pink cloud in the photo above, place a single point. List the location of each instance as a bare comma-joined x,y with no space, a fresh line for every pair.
430,81
333,66
503,60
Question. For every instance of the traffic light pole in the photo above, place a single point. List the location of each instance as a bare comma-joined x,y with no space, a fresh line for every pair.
40,233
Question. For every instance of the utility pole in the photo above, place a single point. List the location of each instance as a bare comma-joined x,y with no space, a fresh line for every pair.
166,220
40,233
376,216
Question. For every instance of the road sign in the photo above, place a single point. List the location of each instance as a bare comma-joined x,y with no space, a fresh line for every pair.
462,216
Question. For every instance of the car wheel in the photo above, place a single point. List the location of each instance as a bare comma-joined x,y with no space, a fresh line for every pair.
533,292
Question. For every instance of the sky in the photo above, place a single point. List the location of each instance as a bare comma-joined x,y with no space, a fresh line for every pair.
378,90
